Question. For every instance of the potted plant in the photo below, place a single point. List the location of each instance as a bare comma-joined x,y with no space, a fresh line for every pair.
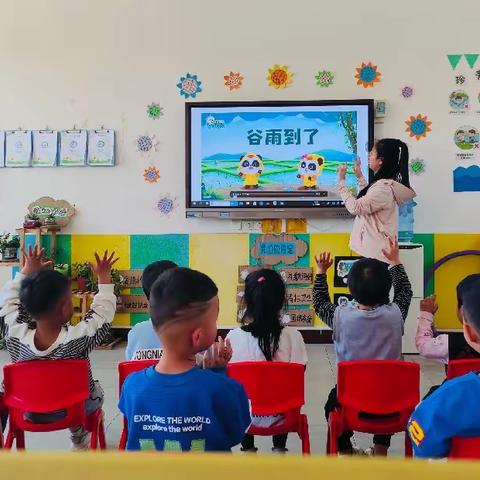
50,220
82,272
9,246
62,268
32,220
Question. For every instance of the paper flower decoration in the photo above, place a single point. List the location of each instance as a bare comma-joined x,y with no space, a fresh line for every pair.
407,92
189,85
146,143
154,110
324,78
166,205
418,126
417,166
367,75
151,174
233,80
279,77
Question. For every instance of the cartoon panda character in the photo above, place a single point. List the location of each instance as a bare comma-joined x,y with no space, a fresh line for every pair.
250,169
310,168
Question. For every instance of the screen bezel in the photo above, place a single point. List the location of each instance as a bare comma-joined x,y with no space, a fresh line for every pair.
301,103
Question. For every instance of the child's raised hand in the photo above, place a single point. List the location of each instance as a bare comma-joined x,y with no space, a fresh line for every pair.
392,252
103,267
342,172
219,356
34,260
429,304
324,261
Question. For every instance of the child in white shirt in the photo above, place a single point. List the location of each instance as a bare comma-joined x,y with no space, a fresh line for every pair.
263,337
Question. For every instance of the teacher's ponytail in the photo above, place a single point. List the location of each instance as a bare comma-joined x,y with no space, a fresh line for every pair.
394,155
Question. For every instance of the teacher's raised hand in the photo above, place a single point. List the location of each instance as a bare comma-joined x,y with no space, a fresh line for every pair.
342,173
357,168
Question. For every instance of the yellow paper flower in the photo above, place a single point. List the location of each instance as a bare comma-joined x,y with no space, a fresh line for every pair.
279,76
367,75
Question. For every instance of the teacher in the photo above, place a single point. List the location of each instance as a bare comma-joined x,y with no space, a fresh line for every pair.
376,205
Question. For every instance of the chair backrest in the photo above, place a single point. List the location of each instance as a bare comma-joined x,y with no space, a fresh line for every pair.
272,387
378,386
45,386
466,448
130,366
457,368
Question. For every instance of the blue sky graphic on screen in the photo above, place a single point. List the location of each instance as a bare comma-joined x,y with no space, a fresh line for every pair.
286,153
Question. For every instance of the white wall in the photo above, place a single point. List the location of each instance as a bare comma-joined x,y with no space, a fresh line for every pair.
94,62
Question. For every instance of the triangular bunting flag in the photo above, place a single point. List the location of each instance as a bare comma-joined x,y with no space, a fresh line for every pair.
471,58
454,59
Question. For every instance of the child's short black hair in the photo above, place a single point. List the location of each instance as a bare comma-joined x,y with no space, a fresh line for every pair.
152,272
471,305
370,282
178,291
464,286
41,291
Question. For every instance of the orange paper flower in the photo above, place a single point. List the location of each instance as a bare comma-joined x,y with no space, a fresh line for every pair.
418,126
279,76
151,174
233,80
367,75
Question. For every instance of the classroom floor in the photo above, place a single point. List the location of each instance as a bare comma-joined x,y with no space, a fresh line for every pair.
320,379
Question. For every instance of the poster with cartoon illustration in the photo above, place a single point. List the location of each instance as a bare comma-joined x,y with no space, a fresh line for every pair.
343,266
459,102
467,142
269,151
342,299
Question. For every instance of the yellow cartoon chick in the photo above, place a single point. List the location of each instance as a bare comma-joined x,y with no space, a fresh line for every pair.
250,169
310,168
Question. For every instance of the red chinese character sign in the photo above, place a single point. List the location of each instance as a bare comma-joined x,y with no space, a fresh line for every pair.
273,249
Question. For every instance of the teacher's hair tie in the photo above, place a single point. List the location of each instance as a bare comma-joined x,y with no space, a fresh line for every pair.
261,279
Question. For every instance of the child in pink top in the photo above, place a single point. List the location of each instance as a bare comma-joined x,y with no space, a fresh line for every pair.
376,206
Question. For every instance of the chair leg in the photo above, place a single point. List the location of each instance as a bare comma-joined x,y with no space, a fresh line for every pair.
101,435
332,434
10,438
123,440
20,439
304,435
408,446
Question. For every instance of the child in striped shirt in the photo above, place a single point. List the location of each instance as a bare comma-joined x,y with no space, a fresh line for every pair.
37,306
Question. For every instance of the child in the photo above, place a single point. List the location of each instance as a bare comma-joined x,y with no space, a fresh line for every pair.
429,343
175,406
376,206
371,329
34,322
143,343
263,337
452,410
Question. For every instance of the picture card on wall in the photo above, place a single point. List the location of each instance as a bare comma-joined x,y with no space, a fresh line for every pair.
101,148
18,148
2,148
73,148
45,148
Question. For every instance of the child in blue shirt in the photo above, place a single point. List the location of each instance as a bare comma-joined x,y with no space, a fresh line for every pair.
453,409
175,406
143,343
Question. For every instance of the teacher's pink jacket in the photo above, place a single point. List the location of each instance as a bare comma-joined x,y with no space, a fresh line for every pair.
376,215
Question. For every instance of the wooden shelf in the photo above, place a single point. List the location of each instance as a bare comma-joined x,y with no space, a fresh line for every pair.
14,263
41,229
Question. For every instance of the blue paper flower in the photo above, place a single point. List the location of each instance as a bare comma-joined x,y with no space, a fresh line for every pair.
189,85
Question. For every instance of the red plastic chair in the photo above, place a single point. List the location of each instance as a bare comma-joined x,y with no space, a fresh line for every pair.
2,411
46,386
457,368
388,388
124,370
273,388
464,447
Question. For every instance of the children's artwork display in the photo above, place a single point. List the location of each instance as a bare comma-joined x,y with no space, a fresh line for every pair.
154,111
324,78
189,85
151,174
73,148
45,148
18,148
2,148
279,76
166,205
367,75
146,144
101,148
417,166
407,92
418,126
233,80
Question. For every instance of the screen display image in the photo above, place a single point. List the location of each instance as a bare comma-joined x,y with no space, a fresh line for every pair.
256,156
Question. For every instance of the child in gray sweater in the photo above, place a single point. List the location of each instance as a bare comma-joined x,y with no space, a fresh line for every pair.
372,327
